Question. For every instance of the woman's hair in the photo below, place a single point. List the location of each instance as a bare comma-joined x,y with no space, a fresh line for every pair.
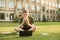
24,11
19,15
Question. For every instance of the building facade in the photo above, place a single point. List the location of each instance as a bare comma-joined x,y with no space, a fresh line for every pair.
40,10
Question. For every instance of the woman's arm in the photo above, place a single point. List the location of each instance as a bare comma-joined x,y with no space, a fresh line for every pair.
22,23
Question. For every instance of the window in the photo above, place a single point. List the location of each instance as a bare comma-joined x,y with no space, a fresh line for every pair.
50,16
2,3
11,5
27,6
11,16
47,11
32,0
46,2
2,16
32,7
47,17
19,6
58,5
42,1
38,8
43,9
37,0
53,4
50,3
50,11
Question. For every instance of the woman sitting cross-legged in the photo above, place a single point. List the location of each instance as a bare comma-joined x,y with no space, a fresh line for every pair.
26,23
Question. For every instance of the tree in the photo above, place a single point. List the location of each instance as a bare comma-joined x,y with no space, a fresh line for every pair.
15,19
44,18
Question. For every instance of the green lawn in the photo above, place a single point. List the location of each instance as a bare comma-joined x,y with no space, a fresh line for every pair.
33,37
7,24
51,28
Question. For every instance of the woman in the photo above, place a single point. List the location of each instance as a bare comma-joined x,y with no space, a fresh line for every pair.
26,23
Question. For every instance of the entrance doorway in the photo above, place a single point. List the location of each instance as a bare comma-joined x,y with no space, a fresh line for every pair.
2,15
11,16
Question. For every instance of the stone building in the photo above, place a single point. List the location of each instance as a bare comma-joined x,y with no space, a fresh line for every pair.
39,9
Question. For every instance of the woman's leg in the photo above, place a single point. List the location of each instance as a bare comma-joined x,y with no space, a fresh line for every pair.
33,28
17,29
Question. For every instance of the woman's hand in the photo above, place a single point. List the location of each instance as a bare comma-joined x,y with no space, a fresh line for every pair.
22,23
27,21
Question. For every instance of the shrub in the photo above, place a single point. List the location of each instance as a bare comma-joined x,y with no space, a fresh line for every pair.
15,19
44,19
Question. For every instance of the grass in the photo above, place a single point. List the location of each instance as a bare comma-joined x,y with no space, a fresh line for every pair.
47,26
33,37
46,23
10,24
51,28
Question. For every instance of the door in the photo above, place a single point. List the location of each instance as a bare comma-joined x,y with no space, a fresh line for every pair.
11,16
2,15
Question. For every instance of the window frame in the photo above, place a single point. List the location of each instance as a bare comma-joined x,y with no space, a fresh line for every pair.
32,7
11,6
19,6
2,3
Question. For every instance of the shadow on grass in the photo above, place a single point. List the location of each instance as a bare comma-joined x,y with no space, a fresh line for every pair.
14,36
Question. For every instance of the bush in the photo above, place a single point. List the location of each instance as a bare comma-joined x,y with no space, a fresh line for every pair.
44,19
15,19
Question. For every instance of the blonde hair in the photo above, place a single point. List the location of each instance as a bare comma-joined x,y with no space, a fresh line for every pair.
26,11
